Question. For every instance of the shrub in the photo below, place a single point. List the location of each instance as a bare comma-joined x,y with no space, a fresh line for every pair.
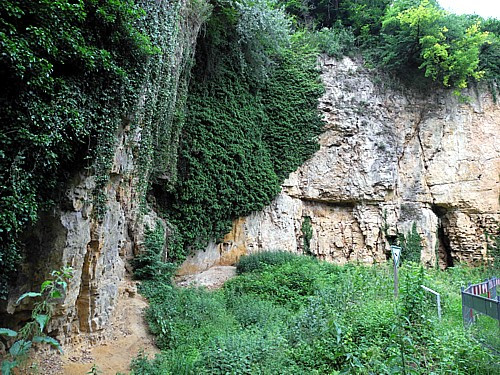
186,317
150,264
336,41
142,365
251,352
307,235
251,312
411,247
259,261
289,284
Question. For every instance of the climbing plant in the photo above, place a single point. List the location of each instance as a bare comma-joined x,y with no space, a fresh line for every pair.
411,245
307,234
69,72
245,131
150,263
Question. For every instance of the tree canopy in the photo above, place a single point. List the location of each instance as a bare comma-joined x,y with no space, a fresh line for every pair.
408,36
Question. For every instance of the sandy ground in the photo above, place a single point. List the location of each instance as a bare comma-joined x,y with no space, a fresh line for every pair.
212,278
127,336
128,333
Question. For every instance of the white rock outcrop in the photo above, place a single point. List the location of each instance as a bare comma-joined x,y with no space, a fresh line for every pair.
389,157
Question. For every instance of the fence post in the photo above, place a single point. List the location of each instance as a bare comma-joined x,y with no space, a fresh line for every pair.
494,287
498,310
464,309
438,301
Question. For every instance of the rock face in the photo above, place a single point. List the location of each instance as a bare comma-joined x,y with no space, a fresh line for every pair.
98,248
389,157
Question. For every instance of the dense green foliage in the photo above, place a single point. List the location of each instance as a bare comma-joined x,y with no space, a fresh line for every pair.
302,316
411,245
258,261
74,72
150,263
251,119
67,69
307,235
410,37
444,46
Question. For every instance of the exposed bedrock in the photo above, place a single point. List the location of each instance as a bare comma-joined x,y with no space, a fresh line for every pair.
389,157
98,247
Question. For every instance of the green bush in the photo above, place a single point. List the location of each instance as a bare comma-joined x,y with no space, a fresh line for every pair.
248,352
142,365
186,316
307,235
302,316
289,284
151,263
337,41
411,245
259,261
251,312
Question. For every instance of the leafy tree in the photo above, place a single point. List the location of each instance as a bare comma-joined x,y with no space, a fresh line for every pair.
364,17
417,36
263,32
489,56
403,25
313,13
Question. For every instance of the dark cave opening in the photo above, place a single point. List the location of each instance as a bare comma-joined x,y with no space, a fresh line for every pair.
445,258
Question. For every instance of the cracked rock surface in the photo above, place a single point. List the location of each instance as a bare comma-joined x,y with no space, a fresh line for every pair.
390,156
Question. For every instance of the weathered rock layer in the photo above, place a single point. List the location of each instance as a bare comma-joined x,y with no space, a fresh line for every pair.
98,247
389,157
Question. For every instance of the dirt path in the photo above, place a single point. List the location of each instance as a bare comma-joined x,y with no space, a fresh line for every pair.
128,335
128,332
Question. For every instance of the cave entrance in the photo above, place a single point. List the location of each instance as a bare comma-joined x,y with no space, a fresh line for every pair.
445,258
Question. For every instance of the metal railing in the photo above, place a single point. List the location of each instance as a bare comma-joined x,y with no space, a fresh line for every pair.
474,301
438,299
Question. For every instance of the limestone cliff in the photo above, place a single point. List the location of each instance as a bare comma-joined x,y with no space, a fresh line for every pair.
98,247
389,157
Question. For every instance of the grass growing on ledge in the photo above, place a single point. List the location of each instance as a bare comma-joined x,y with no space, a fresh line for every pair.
302,316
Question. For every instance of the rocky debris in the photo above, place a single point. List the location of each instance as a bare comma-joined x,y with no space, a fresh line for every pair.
212,278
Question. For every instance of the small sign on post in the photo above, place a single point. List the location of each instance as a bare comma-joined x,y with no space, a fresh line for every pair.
396,254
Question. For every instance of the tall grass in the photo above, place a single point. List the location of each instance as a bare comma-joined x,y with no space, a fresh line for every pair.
288,314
